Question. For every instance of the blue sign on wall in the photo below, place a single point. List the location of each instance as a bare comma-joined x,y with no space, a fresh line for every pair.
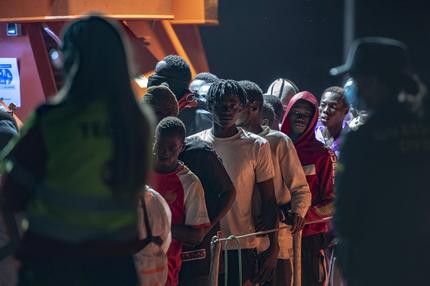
10,91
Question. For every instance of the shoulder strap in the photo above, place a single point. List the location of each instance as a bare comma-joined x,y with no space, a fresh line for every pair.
149,238
146,219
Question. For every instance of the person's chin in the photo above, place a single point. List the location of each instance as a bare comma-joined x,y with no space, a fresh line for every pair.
225,123
164,165
299,127
323,120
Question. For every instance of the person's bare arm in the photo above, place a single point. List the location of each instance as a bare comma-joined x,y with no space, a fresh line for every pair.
188,234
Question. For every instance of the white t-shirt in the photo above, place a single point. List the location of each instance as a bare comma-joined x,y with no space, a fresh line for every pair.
247,160
290,185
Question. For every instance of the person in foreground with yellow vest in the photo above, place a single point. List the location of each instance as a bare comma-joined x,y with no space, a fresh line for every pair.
79,166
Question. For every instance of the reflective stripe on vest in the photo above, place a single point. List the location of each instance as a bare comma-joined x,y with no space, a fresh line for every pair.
74,218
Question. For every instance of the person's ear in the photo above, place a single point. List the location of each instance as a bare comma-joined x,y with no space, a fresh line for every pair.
265,122
253,107
183,146
346,109
242,107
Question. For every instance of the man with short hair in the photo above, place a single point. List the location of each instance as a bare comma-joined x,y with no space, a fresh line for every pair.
289,181
331,124
276,103
267,115
176,73
162,101
202,79
248,162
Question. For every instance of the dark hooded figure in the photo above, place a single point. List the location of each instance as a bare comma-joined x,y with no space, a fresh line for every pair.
79,165
318,162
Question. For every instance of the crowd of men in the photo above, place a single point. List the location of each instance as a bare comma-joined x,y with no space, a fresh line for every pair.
227,158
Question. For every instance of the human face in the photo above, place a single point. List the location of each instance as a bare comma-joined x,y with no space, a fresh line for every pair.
167,149
300,116
226,111
332,109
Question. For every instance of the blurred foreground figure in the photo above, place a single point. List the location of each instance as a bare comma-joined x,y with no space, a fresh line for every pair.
8,264
79,166
382,212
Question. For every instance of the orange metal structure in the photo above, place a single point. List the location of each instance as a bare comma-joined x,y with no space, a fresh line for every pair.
156,28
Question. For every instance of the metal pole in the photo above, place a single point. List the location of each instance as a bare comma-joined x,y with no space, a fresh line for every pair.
215,256
297,259
348,25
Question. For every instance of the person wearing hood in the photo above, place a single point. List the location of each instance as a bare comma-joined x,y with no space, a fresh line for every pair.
175,72
318,163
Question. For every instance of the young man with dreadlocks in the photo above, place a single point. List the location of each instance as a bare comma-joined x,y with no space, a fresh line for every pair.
248,162
289,181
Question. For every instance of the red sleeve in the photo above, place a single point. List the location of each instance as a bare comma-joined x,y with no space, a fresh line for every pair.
325,172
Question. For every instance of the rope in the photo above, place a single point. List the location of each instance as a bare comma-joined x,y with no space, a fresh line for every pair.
268,231
239,250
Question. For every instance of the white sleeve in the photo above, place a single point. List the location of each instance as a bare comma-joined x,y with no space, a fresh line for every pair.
196,214
264,168
294,178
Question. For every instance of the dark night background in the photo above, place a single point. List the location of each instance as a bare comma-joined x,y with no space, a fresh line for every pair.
261,40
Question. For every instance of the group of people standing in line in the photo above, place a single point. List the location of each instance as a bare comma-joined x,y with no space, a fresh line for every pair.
224,157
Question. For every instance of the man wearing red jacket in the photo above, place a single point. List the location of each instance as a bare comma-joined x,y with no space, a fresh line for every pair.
319,164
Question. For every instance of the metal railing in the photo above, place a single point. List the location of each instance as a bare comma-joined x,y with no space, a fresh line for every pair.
217,241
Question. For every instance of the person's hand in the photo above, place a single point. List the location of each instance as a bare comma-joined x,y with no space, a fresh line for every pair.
297,222
267,264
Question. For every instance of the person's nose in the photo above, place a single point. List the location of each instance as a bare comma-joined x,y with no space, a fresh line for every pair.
325,109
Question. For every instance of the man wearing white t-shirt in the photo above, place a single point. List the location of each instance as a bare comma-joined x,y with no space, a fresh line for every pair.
289,181
248,162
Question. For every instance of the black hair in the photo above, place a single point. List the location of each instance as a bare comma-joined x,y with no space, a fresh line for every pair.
276,104
171,126
223,87
337,90
206,77
253,92
96,64
175,72
268,112
162,97
175,67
